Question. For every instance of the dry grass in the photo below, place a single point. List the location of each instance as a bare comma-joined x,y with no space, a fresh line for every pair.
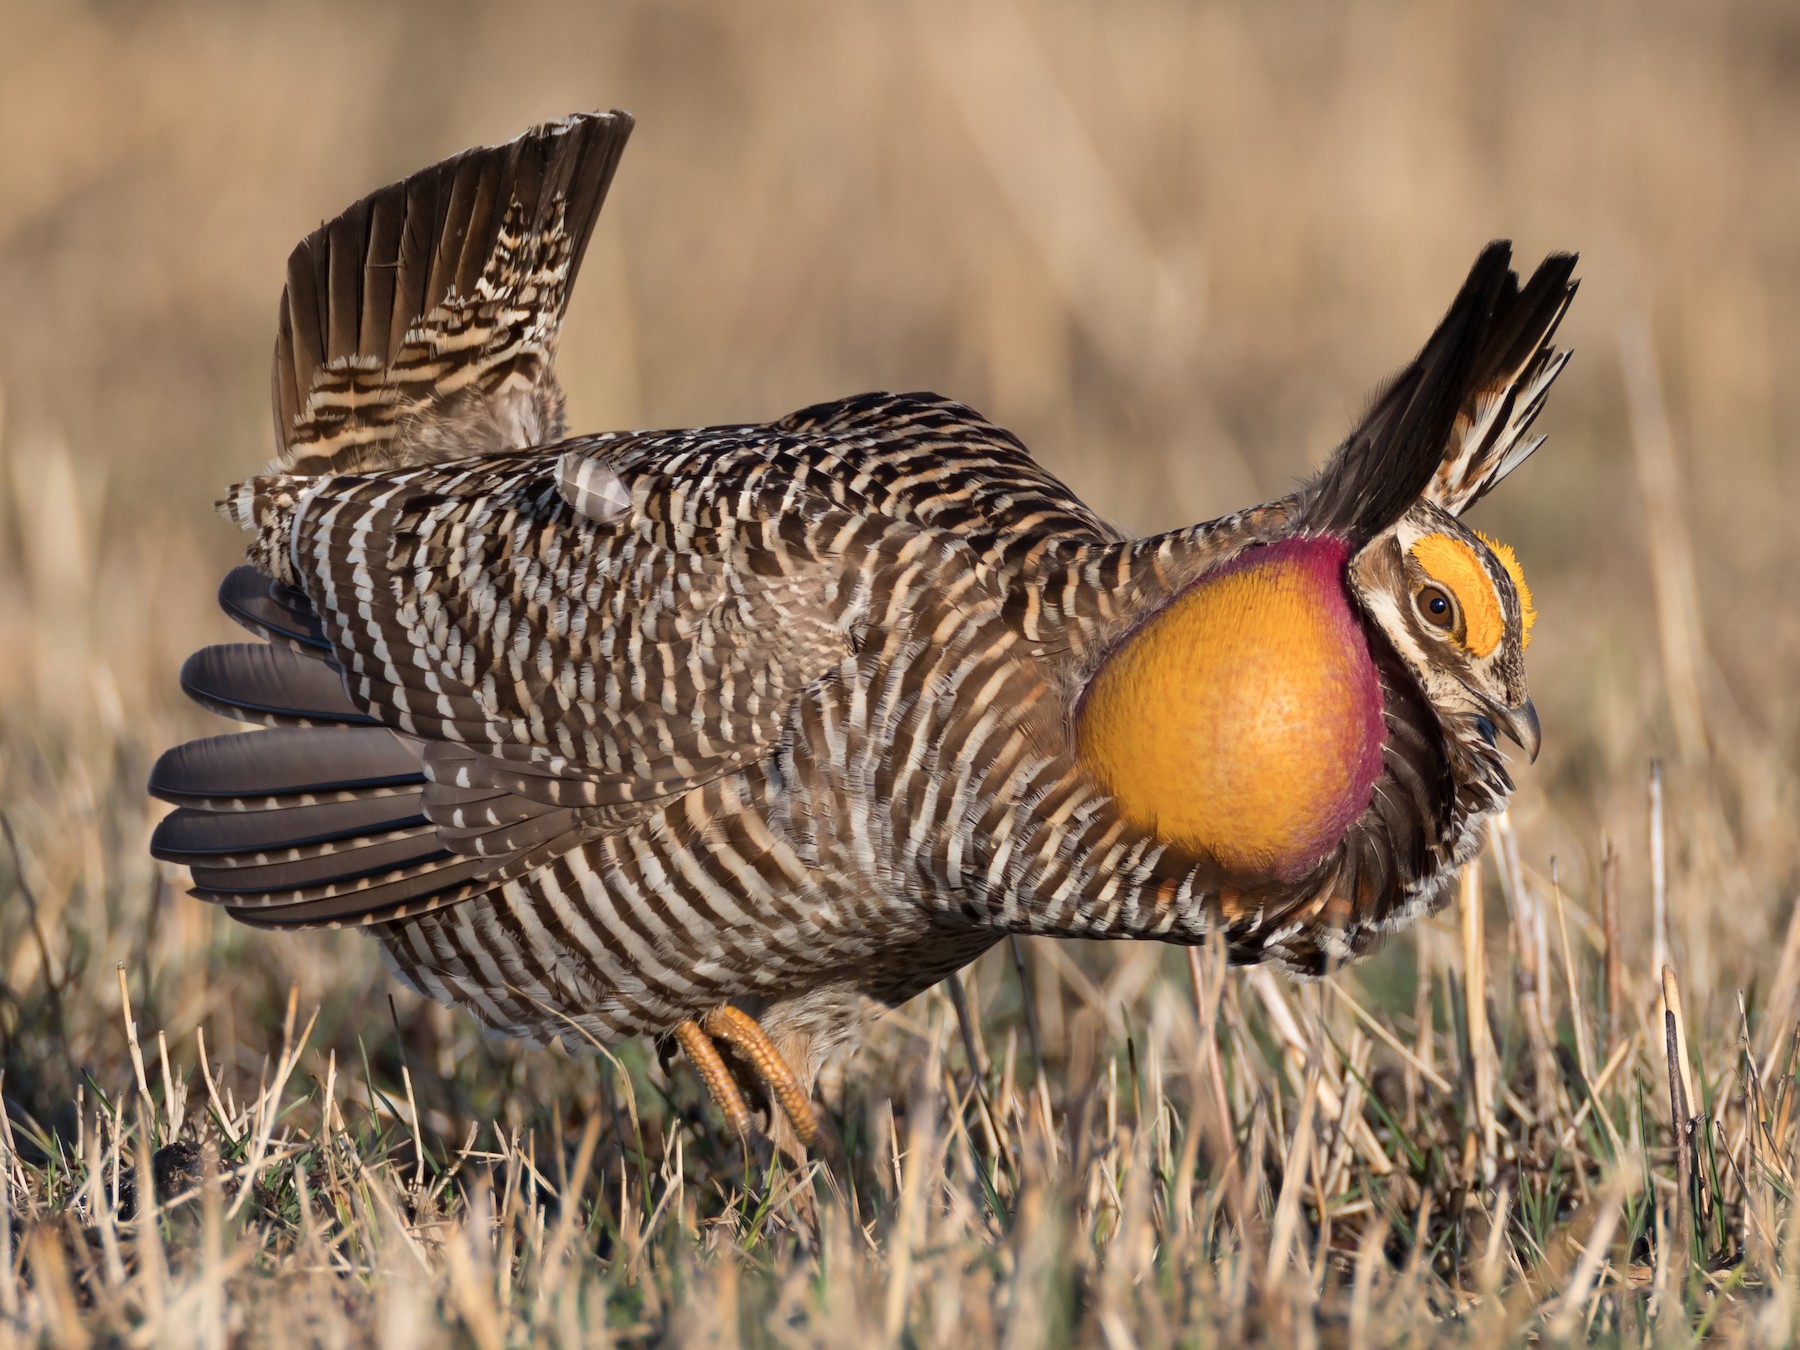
1172,244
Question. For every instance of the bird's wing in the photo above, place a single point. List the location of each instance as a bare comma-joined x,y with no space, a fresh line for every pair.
421,324
469,675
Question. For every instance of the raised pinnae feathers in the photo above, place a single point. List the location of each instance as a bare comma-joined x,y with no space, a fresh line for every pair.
1386,463
1511,379
1454,422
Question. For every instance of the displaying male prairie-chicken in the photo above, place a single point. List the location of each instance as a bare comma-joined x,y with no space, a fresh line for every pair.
709,734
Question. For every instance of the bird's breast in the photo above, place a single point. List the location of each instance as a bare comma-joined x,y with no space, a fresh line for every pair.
1243,721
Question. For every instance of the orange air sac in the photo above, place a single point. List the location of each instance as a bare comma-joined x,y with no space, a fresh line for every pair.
1242,722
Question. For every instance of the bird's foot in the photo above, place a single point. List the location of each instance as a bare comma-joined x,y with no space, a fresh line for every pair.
720,1085
751,1045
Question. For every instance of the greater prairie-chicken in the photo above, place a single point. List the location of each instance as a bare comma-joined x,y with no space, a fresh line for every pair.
710,734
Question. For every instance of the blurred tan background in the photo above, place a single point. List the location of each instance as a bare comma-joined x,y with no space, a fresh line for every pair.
1173,245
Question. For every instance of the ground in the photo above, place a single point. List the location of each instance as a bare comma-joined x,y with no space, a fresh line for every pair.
1173,246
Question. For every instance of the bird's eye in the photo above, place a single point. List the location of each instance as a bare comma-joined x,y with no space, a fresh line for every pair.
1437,607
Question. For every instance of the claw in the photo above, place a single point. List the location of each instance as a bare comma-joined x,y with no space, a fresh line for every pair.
715,1075
741,1032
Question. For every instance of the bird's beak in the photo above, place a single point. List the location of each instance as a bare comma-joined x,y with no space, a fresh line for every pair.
1520,725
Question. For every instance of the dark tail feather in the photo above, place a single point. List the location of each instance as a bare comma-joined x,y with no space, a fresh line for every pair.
422,323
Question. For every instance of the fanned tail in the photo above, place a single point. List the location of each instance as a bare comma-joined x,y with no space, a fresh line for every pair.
422,323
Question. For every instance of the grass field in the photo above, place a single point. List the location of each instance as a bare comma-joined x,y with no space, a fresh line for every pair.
1173,245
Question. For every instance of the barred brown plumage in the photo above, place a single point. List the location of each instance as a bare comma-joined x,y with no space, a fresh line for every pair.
662,732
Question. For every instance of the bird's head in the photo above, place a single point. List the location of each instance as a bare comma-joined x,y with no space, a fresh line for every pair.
1455,606
1453,424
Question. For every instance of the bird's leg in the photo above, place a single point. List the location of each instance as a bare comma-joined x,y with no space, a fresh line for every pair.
719,1084
743,1034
